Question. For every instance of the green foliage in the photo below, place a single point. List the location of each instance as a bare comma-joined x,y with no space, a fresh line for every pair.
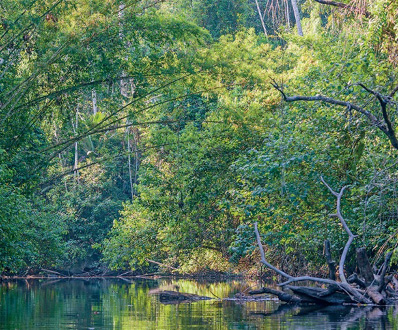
134,238
152,133
30,230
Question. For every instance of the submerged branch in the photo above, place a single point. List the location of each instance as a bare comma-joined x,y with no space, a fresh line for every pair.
356,295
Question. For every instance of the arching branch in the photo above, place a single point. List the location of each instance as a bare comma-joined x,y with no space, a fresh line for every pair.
385,126
345,226
356,294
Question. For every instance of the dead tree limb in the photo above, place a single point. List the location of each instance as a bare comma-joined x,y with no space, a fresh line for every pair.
283,296
334,4
345,226
355,279
356,295
373,287
384,101
385,126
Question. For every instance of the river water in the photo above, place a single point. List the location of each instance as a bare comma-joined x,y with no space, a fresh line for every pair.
133,304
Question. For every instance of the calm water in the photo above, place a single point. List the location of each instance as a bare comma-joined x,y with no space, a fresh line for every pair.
119,304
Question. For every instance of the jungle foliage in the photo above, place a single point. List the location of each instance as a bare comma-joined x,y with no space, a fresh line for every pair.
142,131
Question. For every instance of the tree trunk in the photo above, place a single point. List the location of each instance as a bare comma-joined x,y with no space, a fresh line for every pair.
330,262
76,163
297,17
364,266
94,100
261,17
136,154
129,161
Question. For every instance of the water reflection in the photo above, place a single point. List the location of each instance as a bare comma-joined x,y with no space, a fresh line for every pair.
128,304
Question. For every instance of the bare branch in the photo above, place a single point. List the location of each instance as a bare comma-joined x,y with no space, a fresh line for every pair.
356,294
262,255
343,222
384,100
385,127
393,92
332,191
261,18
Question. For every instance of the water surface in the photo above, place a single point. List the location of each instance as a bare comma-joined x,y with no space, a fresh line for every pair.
133,304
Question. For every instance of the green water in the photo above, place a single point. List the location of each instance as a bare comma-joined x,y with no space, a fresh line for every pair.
133,304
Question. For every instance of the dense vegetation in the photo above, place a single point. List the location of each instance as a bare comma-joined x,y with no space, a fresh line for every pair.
142,131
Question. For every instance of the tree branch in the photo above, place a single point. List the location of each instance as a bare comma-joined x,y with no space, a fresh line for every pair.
262,255
385,127
384,100
356,294
343,222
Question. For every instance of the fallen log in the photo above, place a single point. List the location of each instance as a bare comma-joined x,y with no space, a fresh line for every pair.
175,297
377,297
355,279
357,297
52,272
286,297
321,296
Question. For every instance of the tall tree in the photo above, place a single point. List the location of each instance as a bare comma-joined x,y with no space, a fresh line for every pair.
297,17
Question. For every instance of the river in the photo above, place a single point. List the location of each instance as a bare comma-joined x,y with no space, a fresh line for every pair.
133,304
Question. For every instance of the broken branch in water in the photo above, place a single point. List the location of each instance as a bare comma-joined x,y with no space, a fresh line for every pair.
371,286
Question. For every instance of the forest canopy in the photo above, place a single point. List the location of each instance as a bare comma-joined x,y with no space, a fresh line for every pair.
143,134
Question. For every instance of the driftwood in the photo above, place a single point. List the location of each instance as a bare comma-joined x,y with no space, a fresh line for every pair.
364,288
286,297
355,279
322,296
175,297
53,273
